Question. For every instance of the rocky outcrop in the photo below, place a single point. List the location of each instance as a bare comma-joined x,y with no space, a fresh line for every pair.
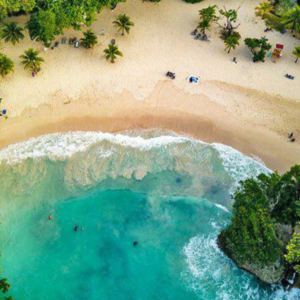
268,273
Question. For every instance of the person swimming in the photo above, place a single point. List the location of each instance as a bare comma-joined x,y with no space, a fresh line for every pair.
76,228
50,217
135,243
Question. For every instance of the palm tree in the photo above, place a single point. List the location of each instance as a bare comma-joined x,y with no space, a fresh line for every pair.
89,40
12,33
204,25
264,8
232,41
296,52
123,23
208,13
32,60
111,53
6,65
291,19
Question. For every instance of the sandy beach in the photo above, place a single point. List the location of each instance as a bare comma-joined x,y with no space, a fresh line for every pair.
248,106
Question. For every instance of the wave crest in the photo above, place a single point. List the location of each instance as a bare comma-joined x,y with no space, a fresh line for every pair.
86,159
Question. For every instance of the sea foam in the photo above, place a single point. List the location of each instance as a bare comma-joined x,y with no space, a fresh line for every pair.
96,156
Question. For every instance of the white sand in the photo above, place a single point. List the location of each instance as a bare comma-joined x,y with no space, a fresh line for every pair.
256,95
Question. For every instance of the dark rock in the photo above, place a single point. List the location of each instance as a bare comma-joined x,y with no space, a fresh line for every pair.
296,283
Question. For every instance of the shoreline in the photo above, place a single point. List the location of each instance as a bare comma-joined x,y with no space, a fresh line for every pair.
250,107
209,122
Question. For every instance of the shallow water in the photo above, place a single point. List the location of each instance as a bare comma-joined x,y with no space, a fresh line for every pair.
169,193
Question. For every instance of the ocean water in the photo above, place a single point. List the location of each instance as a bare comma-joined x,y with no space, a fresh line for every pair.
169,193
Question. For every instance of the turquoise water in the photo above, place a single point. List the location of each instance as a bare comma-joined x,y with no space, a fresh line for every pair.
170,194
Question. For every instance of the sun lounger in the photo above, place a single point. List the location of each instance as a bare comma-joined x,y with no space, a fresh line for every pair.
113,41
171,75
289,76
63,40
194,32
194,79
77,44
204,37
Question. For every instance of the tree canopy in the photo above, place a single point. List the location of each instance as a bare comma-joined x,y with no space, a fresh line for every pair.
123,23
32,60
50,17
296,52
6,65
12,33
112,52
258,47
291,19
260,204
89,40
264,8
8,8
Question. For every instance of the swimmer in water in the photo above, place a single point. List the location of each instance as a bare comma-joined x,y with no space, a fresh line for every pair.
135,243
76,228
50,217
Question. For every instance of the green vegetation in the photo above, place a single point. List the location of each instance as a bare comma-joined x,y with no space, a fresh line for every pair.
4,285
261,207
6,65
293,255
258,48
203,26
42,27
12,33
50,18
89,40
32,60
207,16
296,52
230,17
228,32
291,19
8,8
123,23
112,52
280,15
264,9
193,1
274,22
4,288
232,41
209,13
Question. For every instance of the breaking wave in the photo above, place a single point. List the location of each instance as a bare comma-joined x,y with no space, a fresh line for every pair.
85,160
